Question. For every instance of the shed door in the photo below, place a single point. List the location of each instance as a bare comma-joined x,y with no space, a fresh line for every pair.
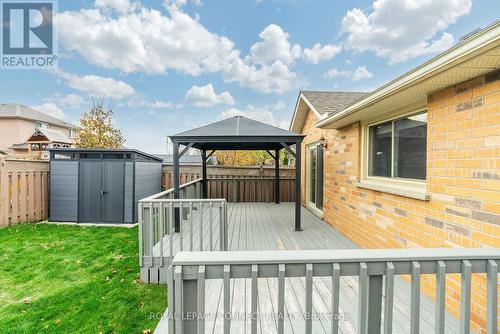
101,191
89,206
113,173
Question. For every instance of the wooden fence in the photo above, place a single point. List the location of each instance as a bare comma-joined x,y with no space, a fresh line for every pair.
23,191
238,184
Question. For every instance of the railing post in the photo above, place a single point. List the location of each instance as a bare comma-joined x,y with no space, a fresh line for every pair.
389,297
227,298
179,296
221,234
465,294
362,297
186,301
171,300
492,302
440,296
226,237
201,301
254,298
374,303
415,298
141,240
146,229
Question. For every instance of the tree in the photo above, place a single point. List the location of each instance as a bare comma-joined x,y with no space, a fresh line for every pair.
96,128
242,158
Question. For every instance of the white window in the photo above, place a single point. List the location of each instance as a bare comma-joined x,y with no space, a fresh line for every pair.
398,148
42,125
395,156
71,133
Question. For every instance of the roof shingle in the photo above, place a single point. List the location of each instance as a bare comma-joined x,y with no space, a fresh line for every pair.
332,102
234,127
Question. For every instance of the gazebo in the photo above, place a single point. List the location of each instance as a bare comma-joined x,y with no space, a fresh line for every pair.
239,133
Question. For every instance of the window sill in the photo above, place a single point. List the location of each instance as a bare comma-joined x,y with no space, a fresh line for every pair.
405,189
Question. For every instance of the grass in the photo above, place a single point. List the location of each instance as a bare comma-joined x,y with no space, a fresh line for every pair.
72,279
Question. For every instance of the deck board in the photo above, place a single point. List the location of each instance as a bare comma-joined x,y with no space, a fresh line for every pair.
268,226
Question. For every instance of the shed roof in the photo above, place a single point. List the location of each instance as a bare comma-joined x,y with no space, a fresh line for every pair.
237,133
105,150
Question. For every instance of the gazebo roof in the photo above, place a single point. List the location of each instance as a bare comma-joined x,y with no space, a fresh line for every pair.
49,135
237,133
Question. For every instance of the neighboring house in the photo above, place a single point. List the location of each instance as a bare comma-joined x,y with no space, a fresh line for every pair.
415,163
43,139
18,123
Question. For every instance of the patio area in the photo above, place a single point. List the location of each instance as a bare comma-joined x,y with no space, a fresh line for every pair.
269,226
277,268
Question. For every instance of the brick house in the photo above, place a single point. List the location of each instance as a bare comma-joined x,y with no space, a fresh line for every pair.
18,123
415,163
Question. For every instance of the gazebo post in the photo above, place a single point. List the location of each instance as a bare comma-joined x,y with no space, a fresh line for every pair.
176,174
277,176
298,174
204,173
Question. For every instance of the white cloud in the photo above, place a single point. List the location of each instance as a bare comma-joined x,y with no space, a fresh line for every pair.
403,29
121,6
361,72
274,78
179,3
160,104
205,96
141,102
51,109
262,114
97,86
319,53
72,101
274,46
156,43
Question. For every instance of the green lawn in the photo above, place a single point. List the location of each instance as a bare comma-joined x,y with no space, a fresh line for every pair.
72,279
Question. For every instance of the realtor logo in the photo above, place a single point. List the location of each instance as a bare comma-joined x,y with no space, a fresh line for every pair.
28,34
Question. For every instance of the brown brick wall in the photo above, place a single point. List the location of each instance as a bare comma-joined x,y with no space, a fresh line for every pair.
463,166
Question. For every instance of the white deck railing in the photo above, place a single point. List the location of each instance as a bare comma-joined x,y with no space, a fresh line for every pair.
203,227
375,269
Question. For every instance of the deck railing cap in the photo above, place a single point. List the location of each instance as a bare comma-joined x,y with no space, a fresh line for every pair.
338,255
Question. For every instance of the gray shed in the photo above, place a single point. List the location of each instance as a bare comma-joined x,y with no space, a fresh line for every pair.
101,186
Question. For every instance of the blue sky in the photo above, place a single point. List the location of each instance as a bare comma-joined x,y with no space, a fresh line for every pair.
168,66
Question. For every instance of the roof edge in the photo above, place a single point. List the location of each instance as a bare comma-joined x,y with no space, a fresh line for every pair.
488,35
124,150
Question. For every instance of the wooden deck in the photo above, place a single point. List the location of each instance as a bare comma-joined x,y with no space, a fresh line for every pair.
264,226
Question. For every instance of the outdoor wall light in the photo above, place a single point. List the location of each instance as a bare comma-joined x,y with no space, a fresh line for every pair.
322,142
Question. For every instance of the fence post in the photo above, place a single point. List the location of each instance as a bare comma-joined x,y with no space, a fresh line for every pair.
235,191
4,195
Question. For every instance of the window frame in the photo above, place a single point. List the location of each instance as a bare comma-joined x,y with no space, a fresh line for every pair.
365,156
312,205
